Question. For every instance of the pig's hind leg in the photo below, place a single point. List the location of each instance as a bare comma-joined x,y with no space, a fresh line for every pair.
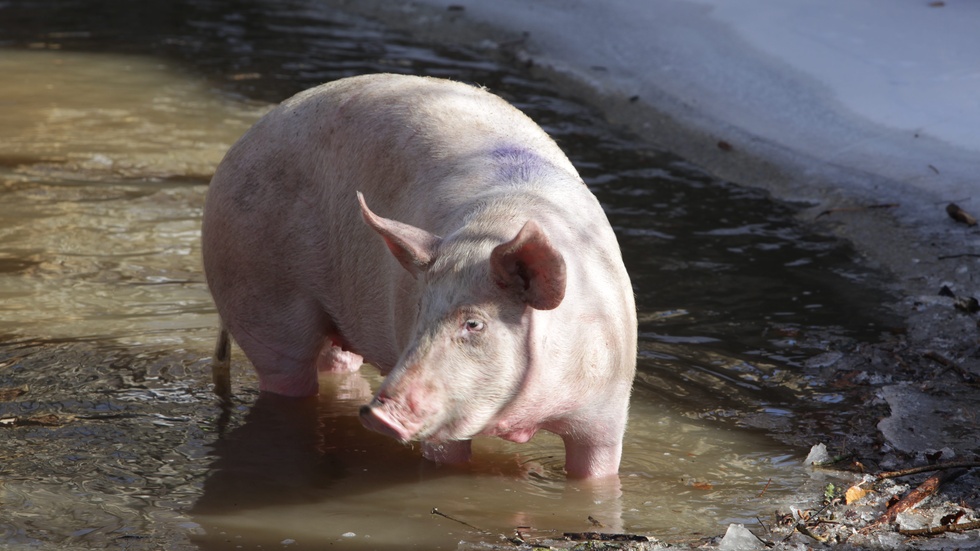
284,344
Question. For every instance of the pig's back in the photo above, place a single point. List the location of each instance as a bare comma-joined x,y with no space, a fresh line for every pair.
415,146
281,213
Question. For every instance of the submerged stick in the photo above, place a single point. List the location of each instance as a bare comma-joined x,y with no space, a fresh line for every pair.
764,489
463,522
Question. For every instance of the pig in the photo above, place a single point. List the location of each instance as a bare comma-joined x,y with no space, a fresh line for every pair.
484,280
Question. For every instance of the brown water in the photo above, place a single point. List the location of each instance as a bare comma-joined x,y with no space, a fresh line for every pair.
112,118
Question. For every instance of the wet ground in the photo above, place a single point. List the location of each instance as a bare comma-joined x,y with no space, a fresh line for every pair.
113,118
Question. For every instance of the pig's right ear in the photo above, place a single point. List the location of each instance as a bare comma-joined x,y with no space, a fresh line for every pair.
532,267
414,247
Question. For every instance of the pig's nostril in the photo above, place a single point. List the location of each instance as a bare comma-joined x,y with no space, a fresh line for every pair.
365,410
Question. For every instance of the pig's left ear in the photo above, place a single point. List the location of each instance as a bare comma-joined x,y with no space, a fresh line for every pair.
414,247
532,267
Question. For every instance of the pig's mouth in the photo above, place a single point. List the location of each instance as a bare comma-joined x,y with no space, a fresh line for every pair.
392,419
381,417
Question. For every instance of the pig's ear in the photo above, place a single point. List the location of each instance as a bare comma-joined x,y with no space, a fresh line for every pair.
414,247
532,267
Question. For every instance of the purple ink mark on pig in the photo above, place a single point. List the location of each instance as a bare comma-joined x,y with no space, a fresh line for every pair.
484,280
516,163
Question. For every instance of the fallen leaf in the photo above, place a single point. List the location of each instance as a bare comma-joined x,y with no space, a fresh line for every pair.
245,76
952,518
956,213
854,493
8,394
969,305
46,420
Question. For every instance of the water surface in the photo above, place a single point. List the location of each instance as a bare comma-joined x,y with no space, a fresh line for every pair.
111,120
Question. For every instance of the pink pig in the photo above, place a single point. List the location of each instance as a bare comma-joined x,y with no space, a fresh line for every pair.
493,295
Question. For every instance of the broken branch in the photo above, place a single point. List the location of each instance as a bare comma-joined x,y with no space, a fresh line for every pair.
963,255
599,536
926,489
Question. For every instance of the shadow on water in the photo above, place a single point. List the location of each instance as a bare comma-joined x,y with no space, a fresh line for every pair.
114,115
305,467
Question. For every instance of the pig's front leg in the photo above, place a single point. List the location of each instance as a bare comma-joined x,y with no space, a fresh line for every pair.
585,459
453,452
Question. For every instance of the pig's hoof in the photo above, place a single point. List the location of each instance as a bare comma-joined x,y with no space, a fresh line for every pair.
346,386
333,359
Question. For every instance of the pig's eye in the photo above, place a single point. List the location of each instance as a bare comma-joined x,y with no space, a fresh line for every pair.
473,326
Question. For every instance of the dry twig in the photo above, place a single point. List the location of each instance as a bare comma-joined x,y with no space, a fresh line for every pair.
929,468
805,530
942,529
859,209
464,523
948,363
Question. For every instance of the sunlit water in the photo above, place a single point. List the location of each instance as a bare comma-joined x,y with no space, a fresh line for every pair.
110,434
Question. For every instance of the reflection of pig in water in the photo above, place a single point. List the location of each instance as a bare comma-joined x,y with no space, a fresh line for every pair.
489,286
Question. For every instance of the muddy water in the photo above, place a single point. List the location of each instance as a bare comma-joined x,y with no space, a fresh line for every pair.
111,121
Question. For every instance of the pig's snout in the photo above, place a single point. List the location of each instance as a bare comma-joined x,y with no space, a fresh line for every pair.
377,417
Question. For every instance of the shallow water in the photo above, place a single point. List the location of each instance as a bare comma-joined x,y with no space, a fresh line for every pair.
111,120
